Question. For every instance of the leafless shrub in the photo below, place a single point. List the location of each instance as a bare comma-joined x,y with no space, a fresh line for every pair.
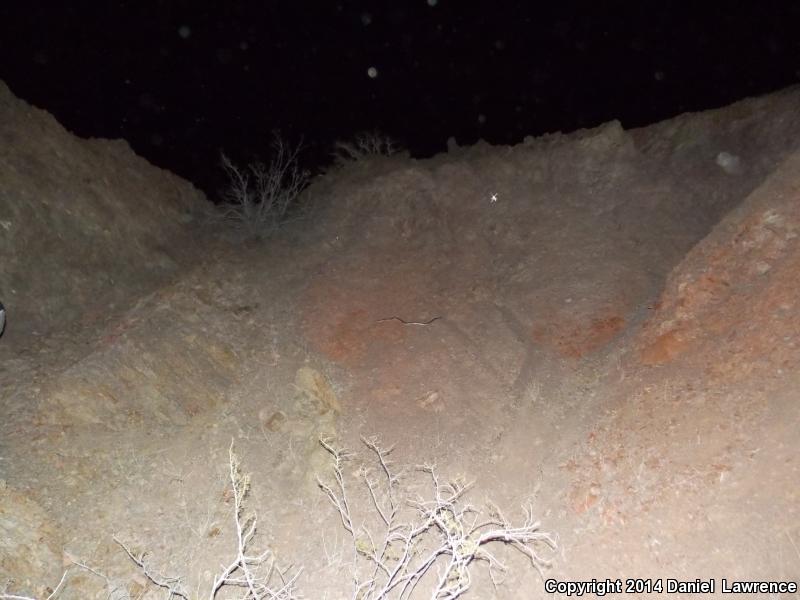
256,575
407,541
365,144
446,533
261,198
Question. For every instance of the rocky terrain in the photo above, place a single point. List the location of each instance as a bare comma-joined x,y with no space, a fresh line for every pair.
602,326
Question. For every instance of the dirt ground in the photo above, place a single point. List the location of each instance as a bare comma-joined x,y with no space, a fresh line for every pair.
601,326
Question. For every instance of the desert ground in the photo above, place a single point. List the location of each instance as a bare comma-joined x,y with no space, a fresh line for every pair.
588,341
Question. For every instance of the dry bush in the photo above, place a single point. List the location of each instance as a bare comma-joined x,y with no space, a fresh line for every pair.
439,543
261,198
400,548
255,575
365,144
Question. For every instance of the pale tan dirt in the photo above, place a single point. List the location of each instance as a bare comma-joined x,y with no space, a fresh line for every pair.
613,340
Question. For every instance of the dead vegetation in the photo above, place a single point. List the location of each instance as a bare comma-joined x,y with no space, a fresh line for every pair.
440,540
261,198
370,143
420,547
651,441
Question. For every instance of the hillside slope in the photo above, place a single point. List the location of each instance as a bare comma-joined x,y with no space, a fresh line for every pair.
601,325
85,225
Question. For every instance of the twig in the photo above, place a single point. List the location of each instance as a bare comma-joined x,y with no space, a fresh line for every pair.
52,595
168,583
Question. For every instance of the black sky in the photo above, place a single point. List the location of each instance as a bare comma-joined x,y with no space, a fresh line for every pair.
181,80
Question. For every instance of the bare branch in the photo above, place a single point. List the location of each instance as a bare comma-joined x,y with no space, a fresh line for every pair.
448,534
262,198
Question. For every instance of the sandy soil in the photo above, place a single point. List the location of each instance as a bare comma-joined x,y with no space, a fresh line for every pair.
602,326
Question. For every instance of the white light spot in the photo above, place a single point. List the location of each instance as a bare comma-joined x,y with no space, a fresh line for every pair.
481,119
433,2
244,46
659,75
730,163
366,19
494,198
184,31
372,72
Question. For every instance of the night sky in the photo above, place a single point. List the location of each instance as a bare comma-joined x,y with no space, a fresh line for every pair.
182,80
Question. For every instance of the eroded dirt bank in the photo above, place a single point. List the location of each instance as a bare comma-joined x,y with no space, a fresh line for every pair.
601,324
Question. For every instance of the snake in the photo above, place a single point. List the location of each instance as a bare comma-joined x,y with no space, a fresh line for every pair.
404,322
